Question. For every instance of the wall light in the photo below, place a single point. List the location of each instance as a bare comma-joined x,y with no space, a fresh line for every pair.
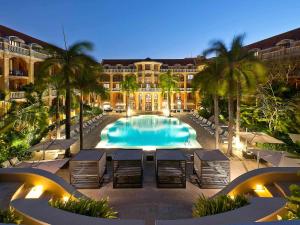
35,192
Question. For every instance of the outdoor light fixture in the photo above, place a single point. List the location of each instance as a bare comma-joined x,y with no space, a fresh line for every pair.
35,192
262,191
129,112
65,198
238,144
166,112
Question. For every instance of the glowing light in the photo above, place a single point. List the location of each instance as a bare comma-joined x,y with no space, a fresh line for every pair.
232,197
238,144
259,187
35,192
66,198
166,112
262,191
129,112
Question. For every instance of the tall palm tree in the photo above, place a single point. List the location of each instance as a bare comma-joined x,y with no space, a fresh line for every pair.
168,83
48,75
209,80
129,85
87,81
68,61
241,69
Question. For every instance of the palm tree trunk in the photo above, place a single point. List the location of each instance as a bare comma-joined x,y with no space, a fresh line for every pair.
68,113
216,112
169,103
238,112
126,104
57,117
231,123
81,121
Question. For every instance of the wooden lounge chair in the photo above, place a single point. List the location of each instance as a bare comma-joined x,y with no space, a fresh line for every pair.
15,161
6,164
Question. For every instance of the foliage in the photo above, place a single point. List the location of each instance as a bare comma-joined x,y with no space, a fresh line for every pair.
129,85
293,204
168,83
91,111
223,203
8,216
87,207
204,113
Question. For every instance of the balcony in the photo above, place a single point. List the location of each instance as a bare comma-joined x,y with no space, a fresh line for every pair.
119,70
281,53
23,51
149,89
116,89
17,95
18,73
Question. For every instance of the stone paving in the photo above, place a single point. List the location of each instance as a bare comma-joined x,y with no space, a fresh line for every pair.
150,203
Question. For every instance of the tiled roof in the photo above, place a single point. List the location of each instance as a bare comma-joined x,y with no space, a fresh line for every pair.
170,62
272,41
5,31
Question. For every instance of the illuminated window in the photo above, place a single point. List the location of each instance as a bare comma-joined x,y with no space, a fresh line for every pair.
190,76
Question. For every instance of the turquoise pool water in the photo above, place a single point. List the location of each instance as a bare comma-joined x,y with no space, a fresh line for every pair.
148,131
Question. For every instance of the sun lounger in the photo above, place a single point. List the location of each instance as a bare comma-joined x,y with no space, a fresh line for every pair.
6,164
224,137
207,124
14,161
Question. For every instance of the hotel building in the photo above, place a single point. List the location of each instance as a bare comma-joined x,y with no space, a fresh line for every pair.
20,56
284,47
149,96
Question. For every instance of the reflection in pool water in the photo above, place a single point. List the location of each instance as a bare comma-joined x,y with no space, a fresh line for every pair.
148,131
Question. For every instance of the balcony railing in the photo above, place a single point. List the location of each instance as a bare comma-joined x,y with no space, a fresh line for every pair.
282,53
116,89
23,51
150,89
17,95
19,50
19,73
118,70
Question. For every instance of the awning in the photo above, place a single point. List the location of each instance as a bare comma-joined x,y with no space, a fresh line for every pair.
259,137
295,137
16,39
273,157
56,144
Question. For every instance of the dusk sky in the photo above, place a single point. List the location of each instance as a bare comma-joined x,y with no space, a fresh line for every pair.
150,28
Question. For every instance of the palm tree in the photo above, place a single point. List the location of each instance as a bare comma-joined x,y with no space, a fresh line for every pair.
87,81
241,70
49,75
129,85
168,84
68,61
209,80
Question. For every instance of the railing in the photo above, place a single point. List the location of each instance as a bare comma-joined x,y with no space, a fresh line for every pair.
16,49
150,89
116,89
22,51
282,53
189,89
19,73
17,95
118,70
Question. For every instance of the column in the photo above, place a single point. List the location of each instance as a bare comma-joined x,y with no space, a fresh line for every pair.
172,100
152,101
30,67
111,89
5,73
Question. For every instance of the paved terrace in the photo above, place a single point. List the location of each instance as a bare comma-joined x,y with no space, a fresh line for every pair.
150,202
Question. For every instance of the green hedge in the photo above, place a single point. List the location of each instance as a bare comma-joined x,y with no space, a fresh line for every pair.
8,216
87,207
223,203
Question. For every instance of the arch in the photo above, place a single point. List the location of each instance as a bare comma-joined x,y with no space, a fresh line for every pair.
18,67
117,78
105,78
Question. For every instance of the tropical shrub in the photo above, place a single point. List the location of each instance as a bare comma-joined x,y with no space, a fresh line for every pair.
293,204
87,207
8,216
223,203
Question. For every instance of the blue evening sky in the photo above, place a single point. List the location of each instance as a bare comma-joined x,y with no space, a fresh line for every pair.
150,28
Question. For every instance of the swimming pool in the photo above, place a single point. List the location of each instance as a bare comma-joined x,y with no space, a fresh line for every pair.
148,131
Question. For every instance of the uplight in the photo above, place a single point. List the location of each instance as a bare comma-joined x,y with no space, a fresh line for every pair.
66,198
166,112
259,187
35,192
238,144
